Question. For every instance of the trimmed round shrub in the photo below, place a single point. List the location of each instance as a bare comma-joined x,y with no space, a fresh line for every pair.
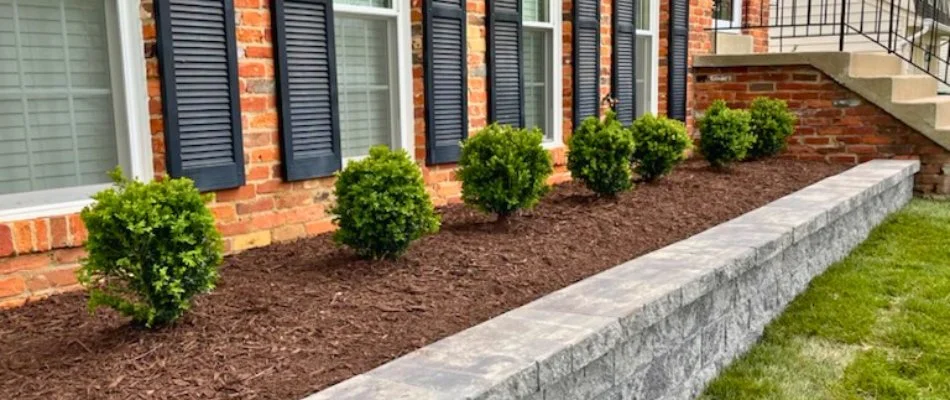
599,155
725,135
504,169
661,145
151,248
771,125
382,205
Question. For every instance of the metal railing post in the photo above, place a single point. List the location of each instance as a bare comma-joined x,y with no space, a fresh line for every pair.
844,11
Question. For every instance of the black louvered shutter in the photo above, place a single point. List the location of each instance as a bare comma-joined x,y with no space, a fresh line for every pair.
446,83
624,60
586,59
506,92
202,109
677,59
306,76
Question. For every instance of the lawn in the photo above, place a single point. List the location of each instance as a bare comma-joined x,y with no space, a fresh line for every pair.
874,326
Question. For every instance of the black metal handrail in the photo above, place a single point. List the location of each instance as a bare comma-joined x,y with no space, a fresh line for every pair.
917,31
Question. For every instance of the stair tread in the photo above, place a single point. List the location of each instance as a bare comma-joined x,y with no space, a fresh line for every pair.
926,100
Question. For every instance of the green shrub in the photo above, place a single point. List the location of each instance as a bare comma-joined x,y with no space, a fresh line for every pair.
151,248
725,134
599,155
661,145
504,169
771,125
382,205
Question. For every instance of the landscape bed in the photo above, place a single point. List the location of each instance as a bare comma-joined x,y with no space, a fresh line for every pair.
290,319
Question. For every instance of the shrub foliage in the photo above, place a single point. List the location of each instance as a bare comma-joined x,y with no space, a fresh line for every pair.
599,155
151,248
661,145
382,205
771,125
725,134
504,169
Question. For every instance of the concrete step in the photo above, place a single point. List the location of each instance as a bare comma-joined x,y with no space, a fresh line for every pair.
937,106
873,65
912,87
731,43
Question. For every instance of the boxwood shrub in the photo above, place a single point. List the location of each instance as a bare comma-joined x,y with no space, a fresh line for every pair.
771,125
725,134
151,248
599,155
382,205
504,169
661,145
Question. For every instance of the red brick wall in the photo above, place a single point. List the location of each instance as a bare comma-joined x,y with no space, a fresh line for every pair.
835,124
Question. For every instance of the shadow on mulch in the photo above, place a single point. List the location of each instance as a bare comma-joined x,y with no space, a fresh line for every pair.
292,318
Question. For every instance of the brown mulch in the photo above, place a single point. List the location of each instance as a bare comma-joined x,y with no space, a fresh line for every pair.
290,319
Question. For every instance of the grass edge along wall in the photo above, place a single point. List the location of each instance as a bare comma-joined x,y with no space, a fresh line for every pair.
235,146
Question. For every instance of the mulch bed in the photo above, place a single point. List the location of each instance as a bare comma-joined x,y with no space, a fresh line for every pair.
290,319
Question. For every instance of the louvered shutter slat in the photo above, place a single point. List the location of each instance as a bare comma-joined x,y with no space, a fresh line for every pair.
624,60
306,72
506,89
677,59
586,59
198,64
445,79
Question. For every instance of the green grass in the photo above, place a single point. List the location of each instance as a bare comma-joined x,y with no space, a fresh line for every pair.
874,326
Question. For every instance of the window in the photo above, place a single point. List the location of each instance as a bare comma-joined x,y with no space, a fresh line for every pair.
368,74
727,13
539,24
647,57
65,115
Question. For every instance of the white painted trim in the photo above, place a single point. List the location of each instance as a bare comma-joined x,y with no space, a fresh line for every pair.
557,79
404,68
655,69
136,90
132,118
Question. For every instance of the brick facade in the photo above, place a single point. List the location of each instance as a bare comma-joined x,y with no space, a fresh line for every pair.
835,124
38,257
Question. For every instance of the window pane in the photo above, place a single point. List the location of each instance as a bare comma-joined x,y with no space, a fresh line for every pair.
643,14
363,78
534,10
368,3
536,80
56,117
644,69
723,9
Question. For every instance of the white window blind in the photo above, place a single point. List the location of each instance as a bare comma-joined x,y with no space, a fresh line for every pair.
534,10
643,71
57,125
535,80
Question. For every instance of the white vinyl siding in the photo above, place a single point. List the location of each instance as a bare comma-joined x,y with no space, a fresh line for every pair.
538,66
57,121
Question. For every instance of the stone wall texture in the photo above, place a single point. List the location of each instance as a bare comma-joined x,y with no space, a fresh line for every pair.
660,326
834,123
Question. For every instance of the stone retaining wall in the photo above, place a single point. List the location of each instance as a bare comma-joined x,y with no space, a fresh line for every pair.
662,325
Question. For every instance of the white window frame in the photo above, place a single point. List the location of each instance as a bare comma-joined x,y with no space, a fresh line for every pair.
400,69
736,21
130,100
652,81
554,98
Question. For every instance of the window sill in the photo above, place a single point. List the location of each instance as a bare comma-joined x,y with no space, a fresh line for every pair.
46,203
